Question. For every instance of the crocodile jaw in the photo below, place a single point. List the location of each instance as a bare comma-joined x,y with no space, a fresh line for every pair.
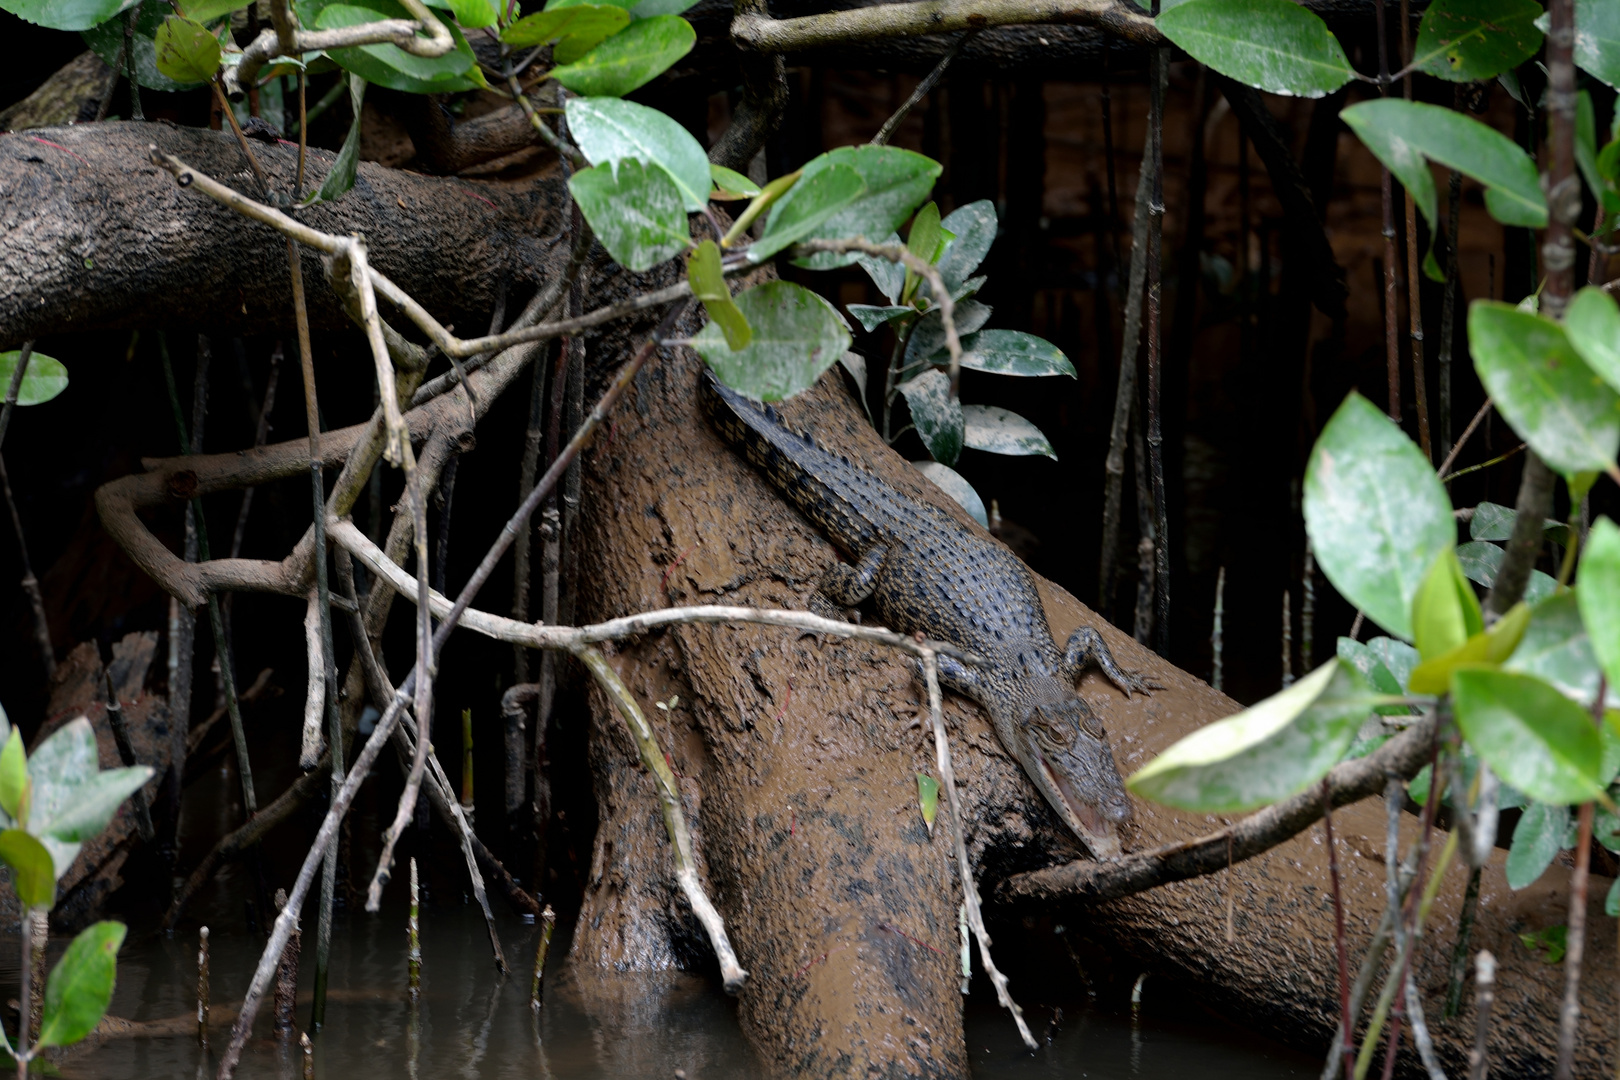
1085,819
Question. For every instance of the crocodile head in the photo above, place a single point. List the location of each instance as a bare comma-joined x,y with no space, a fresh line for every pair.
1064,749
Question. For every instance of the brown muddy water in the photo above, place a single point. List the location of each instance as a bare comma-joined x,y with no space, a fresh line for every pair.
470,1022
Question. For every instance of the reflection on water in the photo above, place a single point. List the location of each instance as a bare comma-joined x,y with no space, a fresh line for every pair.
472,1023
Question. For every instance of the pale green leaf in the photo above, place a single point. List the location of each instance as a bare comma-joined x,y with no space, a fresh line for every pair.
630,59
805,207
1557,650
1000,431
608,129
64,14
1534,737
1273,45
796,336
937,416
81,985
732,183
340,177
896,182
44,379
973,229
1013,352
1598,595
871,317
1537,840
186,51
635,210
1592,322
956,486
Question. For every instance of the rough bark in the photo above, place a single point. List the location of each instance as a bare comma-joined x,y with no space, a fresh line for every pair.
798,760
91,232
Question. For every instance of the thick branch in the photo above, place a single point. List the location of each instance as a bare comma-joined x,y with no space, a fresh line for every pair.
1349,782
760,32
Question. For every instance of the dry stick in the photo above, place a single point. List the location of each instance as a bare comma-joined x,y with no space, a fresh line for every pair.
1459,954
1420,1029
285,38
413,941
14,388
202,987
1448,310
390,717
286,1003
1484,998
1575,948
925,87
1346,1020
30,583
1414,273
261,435
1392,349
126,754
1473,425
680,838
548,923
970,891
1159,73
1307,611
1216,636
1287,640
520,549
765,34
1125,394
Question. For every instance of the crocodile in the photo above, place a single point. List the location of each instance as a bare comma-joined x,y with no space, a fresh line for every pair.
925,572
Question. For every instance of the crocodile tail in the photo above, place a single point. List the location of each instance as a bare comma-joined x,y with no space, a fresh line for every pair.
822,486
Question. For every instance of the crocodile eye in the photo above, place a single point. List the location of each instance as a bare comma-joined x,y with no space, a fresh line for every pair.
1094,728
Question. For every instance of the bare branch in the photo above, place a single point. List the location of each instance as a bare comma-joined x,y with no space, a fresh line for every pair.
284,38
764,34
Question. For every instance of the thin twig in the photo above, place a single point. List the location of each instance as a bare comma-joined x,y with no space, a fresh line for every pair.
1159,74
1479,1061
1392,349
1346,1020
30,583
924,87
1473,425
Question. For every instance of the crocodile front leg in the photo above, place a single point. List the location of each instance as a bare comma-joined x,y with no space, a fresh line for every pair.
1086,648
844,587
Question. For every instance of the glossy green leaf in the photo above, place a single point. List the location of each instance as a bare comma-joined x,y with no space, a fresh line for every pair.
1406,135
1399,657
1267,752
186,51
806,206
1557,650
44,379
1469,40
473,14
1000,431
1611,903
581,26
1376,513
797,336
81,985
1534,737
926,240
66,759
973,230
340,177
13,776
1490,647
873,316
64,14
897,181
390,66
1592,322
1543,388
1537,840
928,798
649,8
1367,662
608,129
956,486
1273,45
730,184
91,806
1598,595
1481,561
1013,352
633,57
1493,521
708,283
635,210
106,40
926,345
33,875
936,415
1597,39
1549,944
1445,612
887,275
1586,155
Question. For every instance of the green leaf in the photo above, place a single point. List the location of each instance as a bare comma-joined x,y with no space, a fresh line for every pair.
635,210
1470,40
1599,595
44,379
1557,650
926,344
106,40
1534,737
64,760
708,283
1549,944
64,14
973,229
926,241
1592,322
1364,660
649,8
804,208
956,486
633,57
896,182
1537,840
797,336
1267,752
1543,388
1399,657
1445,612
473,14
390,66
1000,431
1405,135
730,184
1490,647
81,985
607,130
887,275
1611,903
1586,152
92,806
1493,521
186,51
33,874
1481,561
581,26
13,776
1273,45
1013,352
72,799
340,177
871,317
1376,513
1597,39
937,416
928,799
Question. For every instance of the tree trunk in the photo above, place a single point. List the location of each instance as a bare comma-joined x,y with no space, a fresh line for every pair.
798,760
